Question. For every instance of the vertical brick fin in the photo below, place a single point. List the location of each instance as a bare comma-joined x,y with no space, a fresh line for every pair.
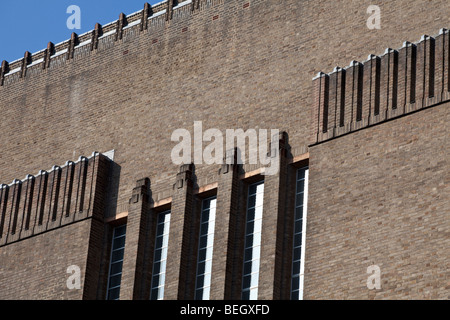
334,83
441,64
169,11
122,22
195,5
46,217
72,43
368,92
55,200
70,174
96,33
425,70
91,176
95,184
390,80
37,203
144,17
23,211
62,201
349,96
353,100
29,193
4,194
56,186
82,188
28,207
75,196
404,76
4,70
25,62
99,185
18,211
375,85
47,55
321,90
340,97
14,209
7,216
385,83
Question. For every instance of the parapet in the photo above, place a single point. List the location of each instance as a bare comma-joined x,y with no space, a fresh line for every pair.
52,199
101,37
381,88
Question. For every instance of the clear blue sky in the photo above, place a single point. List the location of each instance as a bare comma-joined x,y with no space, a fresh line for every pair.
28,25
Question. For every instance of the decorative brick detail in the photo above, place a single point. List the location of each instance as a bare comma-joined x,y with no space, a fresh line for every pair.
275,220
169,8
71,46
121,23
47,55
53,199
381,88
195,5
180,235
3,71
228,195
96,33
138,227
25,62
144,17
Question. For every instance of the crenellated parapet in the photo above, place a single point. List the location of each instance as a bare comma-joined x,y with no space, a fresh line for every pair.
398,82
101,38
52,199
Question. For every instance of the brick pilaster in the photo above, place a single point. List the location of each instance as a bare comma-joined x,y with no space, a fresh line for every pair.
137,227
274,215
179,234
226,214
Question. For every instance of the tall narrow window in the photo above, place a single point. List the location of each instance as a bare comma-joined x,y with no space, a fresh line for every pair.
116,262
252,250
298,259
205,249
160,256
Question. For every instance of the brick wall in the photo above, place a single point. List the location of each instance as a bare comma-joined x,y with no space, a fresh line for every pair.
50,222
230,64
379,196
261,57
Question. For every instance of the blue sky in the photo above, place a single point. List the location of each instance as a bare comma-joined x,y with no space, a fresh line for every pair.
28,25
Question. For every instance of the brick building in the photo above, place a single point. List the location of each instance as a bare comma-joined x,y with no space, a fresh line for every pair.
363,175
